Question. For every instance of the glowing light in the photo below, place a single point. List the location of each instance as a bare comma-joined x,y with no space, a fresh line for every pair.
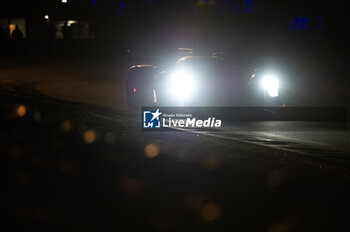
210,212
270,84
89,136
12,28
182,84
134,89
46,17
70,22
21,110
66,125
154,96
151,151
64,1
249,9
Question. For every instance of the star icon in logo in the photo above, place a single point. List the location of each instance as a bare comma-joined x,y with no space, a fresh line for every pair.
156,115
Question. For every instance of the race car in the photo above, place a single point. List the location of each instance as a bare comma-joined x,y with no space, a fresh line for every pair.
197,79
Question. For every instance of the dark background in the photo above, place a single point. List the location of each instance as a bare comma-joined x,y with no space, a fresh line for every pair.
57,92
306,41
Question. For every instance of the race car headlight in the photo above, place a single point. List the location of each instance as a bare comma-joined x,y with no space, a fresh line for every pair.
182,84
270,84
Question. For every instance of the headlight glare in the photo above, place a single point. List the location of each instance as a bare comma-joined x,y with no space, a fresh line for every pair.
270,84
182,85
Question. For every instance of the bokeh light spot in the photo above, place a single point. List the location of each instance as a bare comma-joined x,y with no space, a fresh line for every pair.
89,136
66,125
210,212
151,151
21,110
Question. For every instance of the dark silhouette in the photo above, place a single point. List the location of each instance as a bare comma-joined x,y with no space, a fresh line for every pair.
3,45
50,31
17,34
2,34
66,31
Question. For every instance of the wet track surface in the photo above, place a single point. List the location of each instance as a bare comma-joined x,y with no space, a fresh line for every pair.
72,164
69,167
322,140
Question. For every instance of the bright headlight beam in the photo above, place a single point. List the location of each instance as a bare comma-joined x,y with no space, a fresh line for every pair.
270,84
182,84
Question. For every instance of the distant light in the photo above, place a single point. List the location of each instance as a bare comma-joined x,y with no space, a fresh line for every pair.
12,28
270,84
134,90
154,96
64,1
248,2
70,22
46,17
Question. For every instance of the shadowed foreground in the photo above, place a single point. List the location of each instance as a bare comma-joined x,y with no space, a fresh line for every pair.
72,169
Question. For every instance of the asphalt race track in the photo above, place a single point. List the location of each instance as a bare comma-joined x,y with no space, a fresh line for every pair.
75,158
104,87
